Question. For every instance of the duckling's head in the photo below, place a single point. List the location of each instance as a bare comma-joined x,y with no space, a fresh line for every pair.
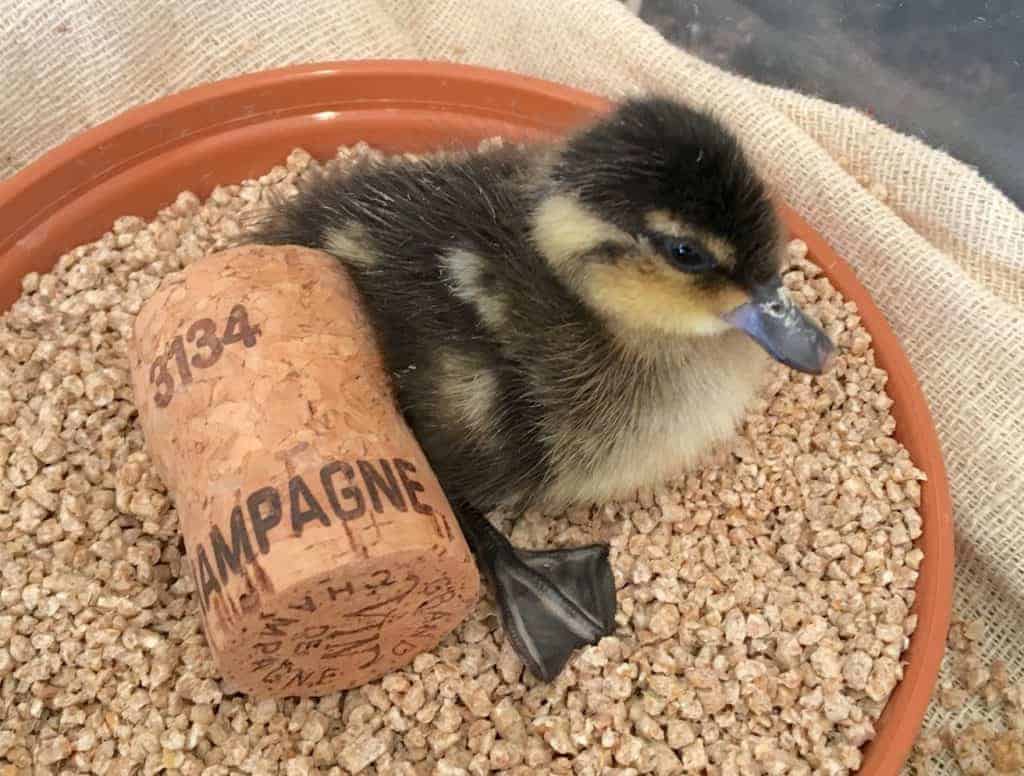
655,217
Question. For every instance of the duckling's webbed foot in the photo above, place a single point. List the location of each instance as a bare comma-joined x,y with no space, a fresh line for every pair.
551,602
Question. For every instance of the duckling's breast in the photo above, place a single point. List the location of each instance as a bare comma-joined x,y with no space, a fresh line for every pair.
694,403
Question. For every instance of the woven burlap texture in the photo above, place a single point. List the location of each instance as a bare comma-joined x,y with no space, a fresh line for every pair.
942,253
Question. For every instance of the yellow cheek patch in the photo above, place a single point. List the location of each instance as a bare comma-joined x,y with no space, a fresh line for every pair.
729,298
638,292
564,229
641,295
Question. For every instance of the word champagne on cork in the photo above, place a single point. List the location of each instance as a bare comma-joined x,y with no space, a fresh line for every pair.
323,550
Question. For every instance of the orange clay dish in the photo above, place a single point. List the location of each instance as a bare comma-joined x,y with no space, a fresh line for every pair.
236,129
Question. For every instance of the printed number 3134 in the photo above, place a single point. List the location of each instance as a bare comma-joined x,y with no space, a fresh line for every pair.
207,347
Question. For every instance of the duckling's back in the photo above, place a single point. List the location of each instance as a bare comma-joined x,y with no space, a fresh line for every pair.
434,247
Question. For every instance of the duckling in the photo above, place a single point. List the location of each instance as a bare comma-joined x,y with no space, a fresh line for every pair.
566,323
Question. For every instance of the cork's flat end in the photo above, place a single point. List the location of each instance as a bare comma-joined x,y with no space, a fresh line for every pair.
348,627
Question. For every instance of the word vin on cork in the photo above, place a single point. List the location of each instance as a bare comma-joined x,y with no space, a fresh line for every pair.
322,548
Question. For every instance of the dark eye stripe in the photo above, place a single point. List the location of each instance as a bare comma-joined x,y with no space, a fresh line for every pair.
609,250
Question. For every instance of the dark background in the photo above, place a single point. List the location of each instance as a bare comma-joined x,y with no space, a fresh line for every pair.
950,72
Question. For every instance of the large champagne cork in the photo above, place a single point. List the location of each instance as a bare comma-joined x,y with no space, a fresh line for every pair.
323,549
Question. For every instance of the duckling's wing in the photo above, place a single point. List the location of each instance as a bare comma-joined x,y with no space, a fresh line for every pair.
551,602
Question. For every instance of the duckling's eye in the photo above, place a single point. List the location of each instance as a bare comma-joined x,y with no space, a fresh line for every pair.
688,257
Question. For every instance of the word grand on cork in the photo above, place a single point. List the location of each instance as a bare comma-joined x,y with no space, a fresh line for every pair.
322,548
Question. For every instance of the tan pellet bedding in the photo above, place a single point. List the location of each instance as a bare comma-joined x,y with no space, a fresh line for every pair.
989,736
763,601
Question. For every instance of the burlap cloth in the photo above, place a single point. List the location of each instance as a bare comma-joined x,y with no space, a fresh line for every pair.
941,250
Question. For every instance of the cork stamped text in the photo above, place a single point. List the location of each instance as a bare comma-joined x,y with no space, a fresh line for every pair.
348,623
303,644
269,512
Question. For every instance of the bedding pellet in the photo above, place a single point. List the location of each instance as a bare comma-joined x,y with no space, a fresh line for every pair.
764,600
989,735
